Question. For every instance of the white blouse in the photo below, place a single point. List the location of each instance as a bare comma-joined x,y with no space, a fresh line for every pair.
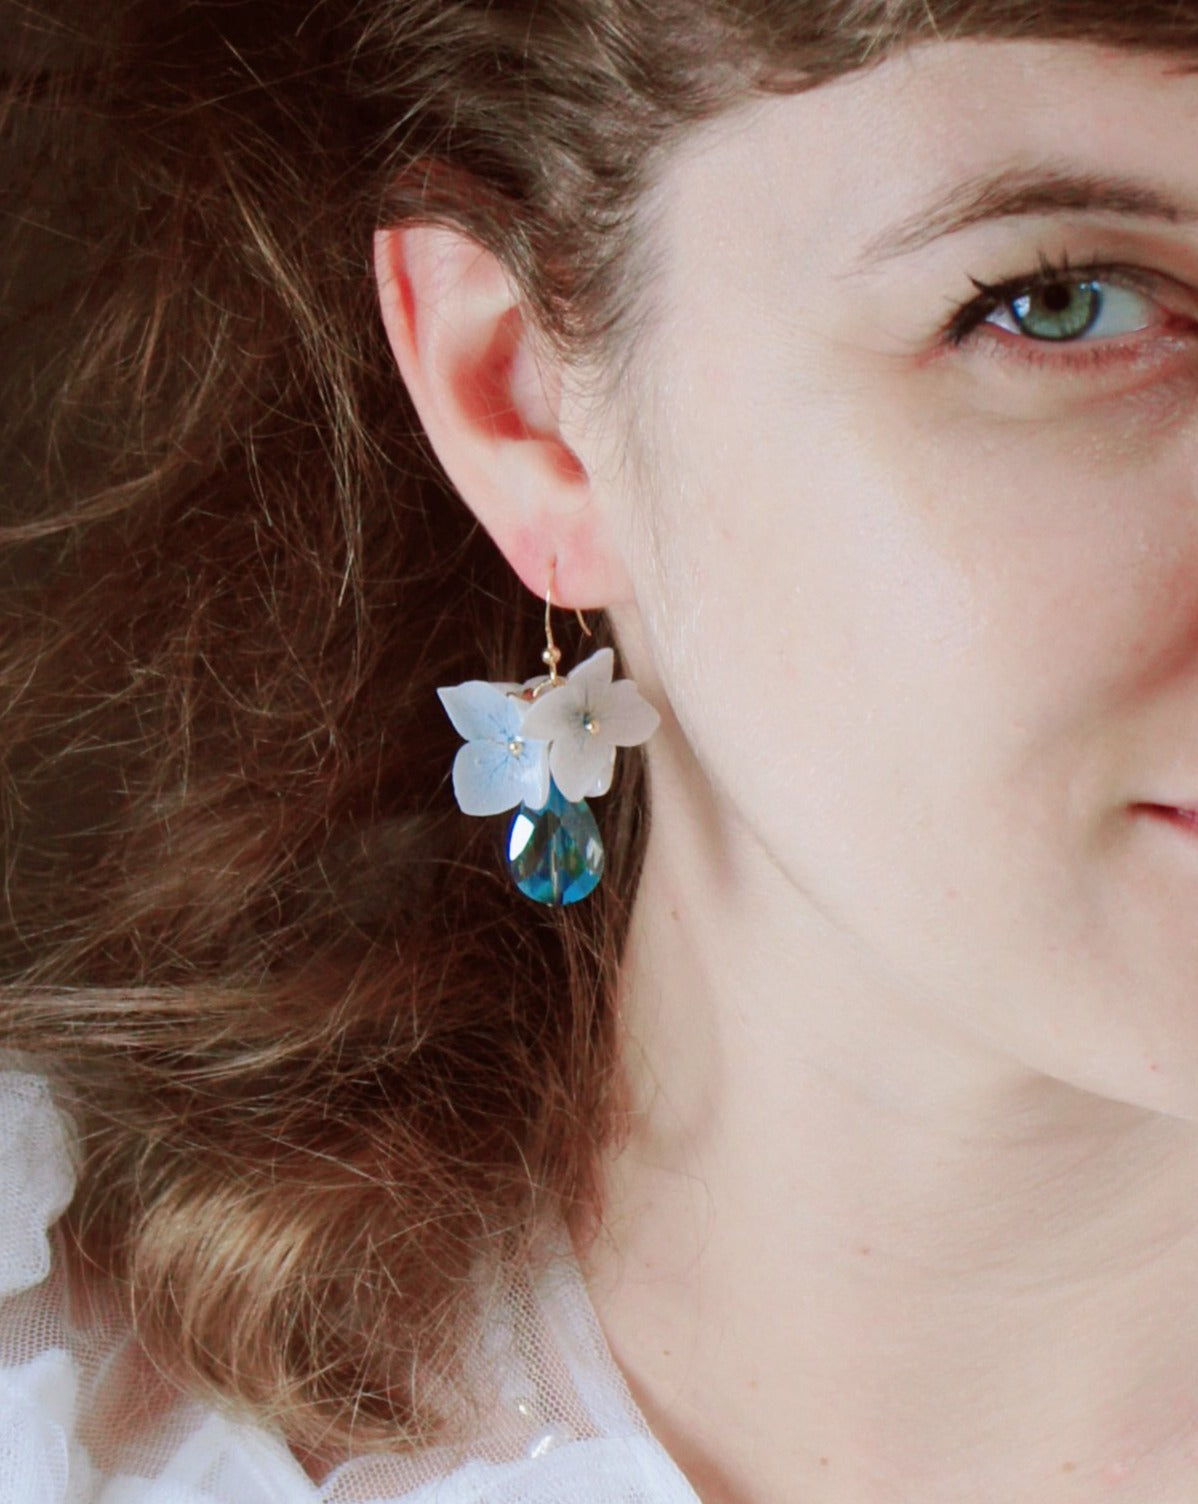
84,1418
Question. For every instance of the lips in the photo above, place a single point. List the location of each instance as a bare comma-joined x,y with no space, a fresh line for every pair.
1176,814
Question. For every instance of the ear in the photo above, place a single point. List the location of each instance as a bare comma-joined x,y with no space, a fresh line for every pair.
488,395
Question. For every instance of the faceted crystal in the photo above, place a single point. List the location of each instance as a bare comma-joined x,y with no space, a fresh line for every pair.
555,853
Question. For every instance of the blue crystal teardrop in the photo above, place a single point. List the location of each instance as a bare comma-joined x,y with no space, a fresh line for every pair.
555,853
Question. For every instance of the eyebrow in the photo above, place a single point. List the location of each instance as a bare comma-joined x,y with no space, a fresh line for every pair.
1022,191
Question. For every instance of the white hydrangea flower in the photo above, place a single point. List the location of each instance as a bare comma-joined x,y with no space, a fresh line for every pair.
500,766
584,719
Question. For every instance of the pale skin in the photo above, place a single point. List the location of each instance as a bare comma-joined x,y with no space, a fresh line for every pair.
907,1209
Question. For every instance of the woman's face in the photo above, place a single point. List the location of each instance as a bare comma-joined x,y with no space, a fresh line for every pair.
920,586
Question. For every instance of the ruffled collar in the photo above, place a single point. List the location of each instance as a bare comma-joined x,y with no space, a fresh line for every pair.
564,1425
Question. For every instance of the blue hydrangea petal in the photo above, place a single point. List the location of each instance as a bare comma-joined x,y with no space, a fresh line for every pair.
488,778
536,774
481,711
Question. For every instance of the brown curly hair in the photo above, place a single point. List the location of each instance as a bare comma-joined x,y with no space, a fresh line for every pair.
325,1064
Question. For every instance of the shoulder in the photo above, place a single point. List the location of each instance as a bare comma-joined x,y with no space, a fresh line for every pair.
84,1418
37,1177
38,1380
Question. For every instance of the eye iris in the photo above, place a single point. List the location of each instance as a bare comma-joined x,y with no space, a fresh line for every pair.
1058,310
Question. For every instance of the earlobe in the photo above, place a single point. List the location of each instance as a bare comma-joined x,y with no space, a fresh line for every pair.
487,394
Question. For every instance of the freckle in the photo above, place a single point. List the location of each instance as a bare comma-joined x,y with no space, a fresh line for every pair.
1067,1467
865,1249
667,1352
753,1384
823,1462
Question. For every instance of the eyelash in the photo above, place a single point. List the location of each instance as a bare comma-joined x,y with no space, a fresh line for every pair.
992,296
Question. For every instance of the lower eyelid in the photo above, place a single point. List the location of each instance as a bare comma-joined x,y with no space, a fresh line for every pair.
1166,340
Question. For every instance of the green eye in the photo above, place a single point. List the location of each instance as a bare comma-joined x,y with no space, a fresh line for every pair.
1067,308
1058,310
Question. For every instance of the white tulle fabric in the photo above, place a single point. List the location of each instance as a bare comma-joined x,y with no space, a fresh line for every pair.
84,1419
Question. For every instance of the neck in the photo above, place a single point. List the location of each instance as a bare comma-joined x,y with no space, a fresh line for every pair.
848,1248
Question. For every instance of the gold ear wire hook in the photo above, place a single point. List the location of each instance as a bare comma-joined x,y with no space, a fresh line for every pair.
552,655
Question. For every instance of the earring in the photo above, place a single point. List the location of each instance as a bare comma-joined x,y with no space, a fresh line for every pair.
544,748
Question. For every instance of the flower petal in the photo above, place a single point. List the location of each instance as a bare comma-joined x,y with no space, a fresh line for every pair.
625,719
558,712
536,776
488,778
603,782
593,671
578,762
482,712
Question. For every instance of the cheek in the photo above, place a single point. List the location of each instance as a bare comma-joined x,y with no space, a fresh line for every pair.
811,643
918,657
